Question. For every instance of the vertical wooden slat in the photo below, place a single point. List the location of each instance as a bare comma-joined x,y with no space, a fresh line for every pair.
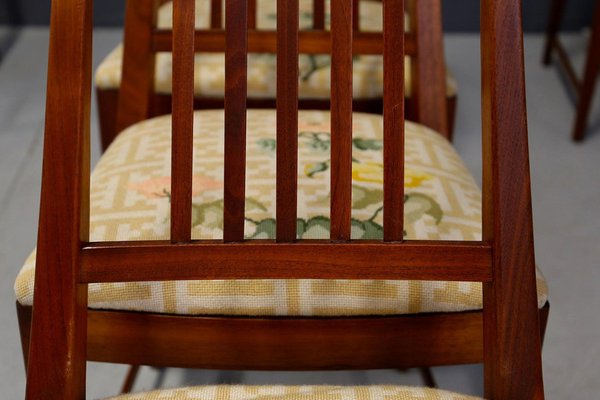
236,82
356,15
216,14
318,14
252,10
137,84
183,120
287,119
512,365
428,65
57,352
393,120
341,119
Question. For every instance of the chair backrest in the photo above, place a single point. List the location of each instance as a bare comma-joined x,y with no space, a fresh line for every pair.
503,260
142,40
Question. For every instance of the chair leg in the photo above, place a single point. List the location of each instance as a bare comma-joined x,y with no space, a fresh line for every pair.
588,85
130,378
427,377
24,318
556,12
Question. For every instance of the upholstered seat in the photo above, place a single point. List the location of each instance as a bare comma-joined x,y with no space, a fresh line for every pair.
130,201
297,393
314,69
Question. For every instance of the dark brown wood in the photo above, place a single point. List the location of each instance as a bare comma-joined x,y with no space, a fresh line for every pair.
236,81
130,378
341,119
162,104
429,67
583,89
57,352
252,14
264,41
590,78
508,328
319,14
512,349
212,342
137,81
557,10
287,120
257,259
393,120
216,14
182,150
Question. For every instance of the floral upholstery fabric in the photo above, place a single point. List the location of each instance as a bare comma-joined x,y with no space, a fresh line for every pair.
130,201
315,70
297,393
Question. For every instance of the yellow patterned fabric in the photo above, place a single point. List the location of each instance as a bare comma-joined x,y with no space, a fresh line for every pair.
315,70
297,393
130,201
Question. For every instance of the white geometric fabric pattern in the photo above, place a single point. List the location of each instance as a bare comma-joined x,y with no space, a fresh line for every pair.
315,70
297,393
130,201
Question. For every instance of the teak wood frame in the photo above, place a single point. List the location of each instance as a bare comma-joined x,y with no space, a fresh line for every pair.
64,334
138,100
585,87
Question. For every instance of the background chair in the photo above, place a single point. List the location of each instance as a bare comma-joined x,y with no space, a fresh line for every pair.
67,262
583,88
143,70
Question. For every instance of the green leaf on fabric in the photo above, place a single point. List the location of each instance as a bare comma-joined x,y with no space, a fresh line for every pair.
312,169
367,144
209,214
363,197
267,144
417,204
265,229
252,204
316,228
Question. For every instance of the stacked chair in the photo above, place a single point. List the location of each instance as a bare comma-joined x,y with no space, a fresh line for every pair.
584,87
141,66
284,239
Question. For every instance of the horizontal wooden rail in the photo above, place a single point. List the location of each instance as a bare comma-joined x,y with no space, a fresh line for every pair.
263,41
258,259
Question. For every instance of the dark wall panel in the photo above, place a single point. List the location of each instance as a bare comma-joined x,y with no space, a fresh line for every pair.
459,15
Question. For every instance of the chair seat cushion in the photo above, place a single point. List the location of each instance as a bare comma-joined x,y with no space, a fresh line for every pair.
297,393
315,70
130,201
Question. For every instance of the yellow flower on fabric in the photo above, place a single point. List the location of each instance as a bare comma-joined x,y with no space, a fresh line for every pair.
373,173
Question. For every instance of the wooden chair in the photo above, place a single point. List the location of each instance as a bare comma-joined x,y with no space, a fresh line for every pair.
65,333
583,88
133,68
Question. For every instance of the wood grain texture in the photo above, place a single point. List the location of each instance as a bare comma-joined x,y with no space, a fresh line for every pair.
341,119
182,149
397,341
287,120
137,83
429,67
393,120
512,356
236,83
265,41
318,14
57,353
257,259
216,14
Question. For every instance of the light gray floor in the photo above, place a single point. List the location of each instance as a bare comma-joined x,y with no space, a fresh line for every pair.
566,192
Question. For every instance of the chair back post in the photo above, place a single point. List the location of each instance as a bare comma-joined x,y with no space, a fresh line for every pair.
513,364
137,83
428,66
57,353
